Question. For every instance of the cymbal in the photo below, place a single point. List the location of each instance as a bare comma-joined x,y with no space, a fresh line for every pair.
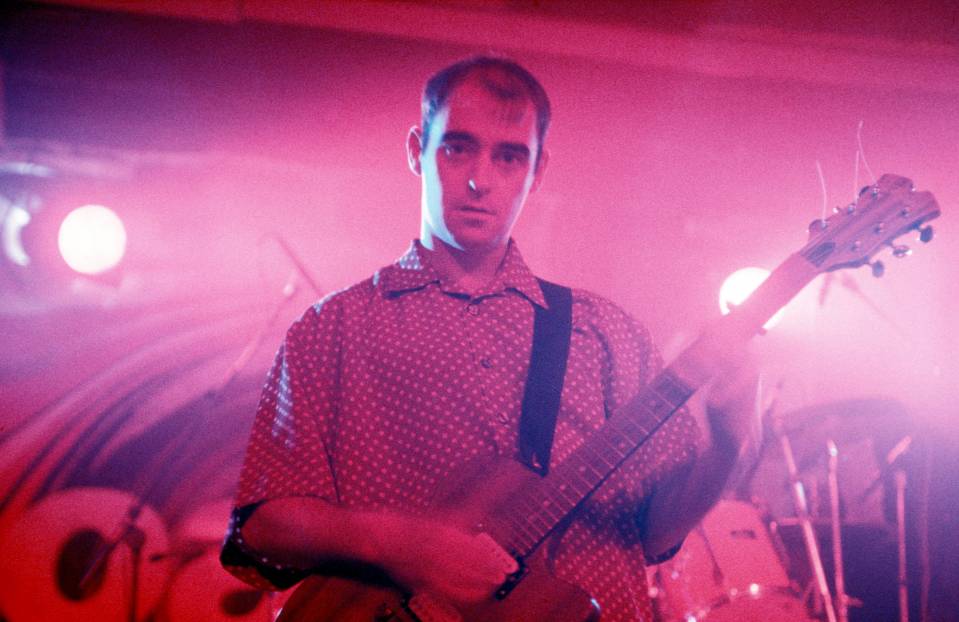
49,547
862,429
849,420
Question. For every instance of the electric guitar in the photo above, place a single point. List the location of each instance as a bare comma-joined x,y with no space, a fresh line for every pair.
518,509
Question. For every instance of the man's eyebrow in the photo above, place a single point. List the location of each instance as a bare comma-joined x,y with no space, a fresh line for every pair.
454,135
517,147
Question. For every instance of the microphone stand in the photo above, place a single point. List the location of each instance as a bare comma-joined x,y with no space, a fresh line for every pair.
134,537
128,532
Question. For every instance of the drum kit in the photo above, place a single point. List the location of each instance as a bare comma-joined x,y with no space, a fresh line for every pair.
813,479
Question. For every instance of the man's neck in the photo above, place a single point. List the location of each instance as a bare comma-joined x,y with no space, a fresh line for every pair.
470,269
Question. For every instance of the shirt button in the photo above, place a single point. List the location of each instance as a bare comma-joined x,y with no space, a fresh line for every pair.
473,309
503,418
486,363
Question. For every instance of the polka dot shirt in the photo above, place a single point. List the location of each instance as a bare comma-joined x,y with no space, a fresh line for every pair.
381,391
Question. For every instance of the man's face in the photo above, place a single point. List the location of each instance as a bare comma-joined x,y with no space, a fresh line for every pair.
477,168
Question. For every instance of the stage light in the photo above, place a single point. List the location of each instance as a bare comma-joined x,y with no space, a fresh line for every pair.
737,288
92,239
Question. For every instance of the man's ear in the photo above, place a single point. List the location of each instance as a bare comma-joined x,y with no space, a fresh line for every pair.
414,148
540,170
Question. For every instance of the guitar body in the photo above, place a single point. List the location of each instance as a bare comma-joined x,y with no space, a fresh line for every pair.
474,501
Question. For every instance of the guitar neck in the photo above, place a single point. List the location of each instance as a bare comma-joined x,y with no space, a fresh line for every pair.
538,511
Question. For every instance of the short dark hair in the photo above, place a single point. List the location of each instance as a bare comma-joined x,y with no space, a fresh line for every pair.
502,77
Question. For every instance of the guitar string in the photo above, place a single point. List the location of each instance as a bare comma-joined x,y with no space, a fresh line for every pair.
543,514
862,153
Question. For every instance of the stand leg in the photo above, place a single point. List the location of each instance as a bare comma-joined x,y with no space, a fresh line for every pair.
901,541
842,602
802,513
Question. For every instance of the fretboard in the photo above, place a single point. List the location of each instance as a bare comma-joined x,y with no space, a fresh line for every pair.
537,510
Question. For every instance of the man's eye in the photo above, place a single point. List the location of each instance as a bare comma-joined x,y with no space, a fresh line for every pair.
453,149
511,158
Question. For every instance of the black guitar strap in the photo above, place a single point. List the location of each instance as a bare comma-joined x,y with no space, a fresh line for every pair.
544,383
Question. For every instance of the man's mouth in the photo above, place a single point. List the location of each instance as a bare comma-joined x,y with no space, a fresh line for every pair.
472,209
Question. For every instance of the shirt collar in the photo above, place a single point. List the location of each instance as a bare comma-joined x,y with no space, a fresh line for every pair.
413,270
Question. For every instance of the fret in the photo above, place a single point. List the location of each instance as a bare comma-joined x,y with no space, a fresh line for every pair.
671,388
583,468
524,508
595,450
559,500
542,525
608,447
521,545
563,491
522,537
552,511
616,442
656,405
627,424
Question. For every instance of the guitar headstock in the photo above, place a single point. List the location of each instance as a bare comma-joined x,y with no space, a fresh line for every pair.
882,213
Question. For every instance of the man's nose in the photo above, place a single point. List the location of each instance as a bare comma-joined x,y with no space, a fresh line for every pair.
479,179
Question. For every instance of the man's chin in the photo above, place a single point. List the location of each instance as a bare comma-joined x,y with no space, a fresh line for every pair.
480,244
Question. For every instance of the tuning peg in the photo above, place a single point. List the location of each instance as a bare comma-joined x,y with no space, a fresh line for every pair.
900,250
925,234
878,268
818,225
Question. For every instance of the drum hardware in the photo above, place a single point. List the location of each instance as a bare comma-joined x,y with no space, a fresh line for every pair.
891,463
802,512
900,480
134,538
865,430
839,579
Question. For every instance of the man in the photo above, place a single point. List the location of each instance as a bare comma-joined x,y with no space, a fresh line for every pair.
383,391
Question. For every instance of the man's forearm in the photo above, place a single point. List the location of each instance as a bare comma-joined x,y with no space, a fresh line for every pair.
681,502
415,552
305,532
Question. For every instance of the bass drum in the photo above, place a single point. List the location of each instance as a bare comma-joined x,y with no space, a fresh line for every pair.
728,569
52,547
202,591
768,604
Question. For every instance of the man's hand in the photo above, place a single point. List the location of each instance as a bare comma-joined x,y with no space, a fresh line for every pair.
428,556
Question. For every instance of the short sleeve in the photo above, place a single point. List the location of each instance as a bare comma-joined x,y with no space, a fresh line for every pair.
287,453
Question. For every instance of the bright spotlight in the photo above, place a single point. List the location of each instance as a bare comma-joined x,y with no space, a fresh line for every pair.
739,286
92,239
